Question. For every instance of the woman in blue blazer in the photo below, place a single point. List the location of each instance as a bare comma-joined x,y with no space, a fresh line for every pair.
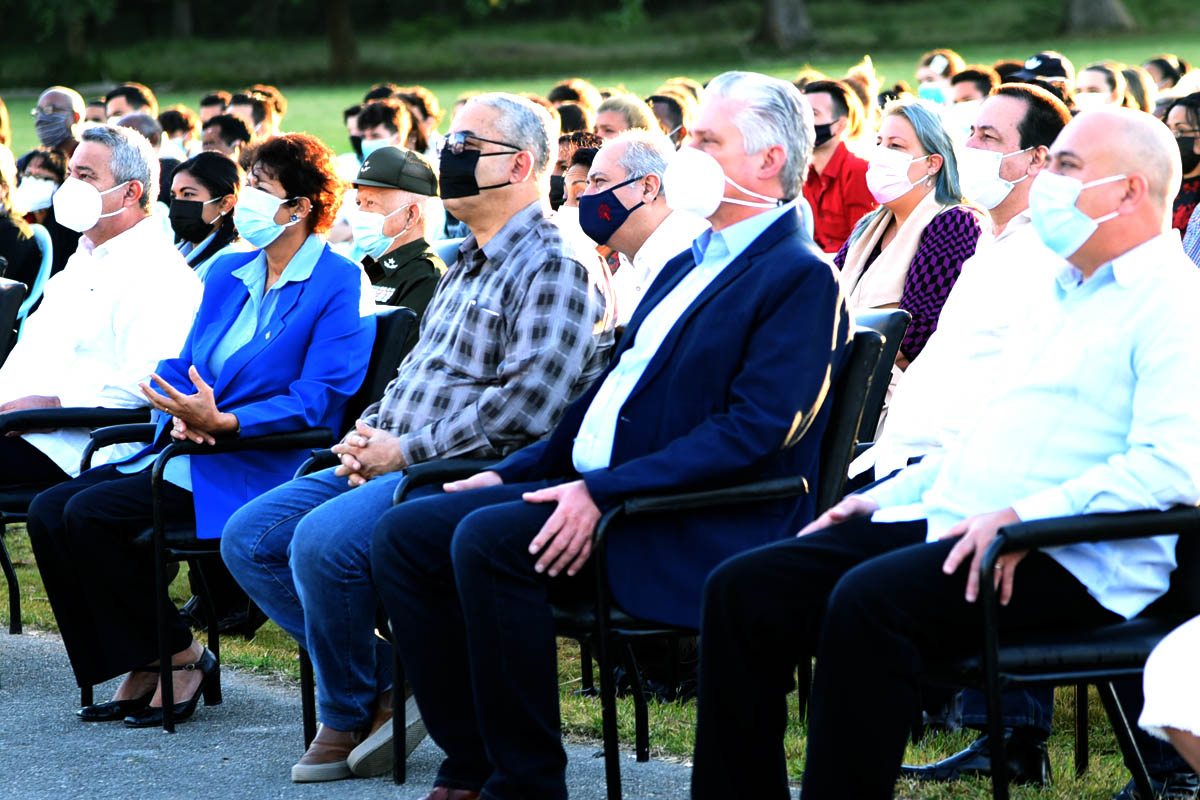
277,344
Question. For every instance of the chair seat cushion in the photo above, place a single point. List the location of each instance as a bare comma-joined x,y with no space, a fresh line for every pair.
570,620
1124,645
15,498
179,536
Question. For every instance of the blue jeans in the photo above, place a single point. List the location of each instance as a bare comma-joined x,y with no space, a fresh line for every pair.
302,551
1023,708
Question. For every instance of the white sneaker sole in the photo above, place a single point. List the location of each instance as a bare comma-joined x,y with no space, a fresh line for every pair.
316,773
374,756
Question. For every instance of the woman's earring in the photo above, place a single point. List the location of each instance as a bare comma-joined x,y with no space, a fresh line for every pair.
294,218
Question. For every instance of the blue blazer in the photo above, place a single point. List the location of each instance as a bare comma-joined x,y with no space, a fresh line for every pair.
740,390
297,373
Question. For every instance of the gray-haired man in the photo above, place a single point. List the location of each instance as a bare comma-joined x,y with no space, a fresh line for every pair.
124,301
625,207
514,332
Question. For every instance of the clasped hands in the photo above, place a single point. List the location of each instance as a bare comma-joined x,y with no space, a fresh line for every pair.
974,535
367,453
565,540
195,417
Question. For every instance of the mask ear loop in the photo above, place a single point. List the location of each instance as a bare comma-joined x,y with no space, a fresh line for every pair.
772,202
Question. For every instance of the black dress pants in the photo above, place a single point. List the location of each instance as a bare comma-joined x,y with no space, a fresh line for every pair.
21,462
871,603
100,587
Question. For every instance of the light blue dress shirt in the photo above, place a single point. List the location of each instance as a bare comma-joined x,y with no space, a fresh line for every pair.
256,312
189,251
1104,419
712,252
1191,237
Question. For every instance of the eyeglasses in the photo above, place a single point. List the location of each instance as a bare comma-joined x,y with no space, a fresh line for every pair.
48,110
457,142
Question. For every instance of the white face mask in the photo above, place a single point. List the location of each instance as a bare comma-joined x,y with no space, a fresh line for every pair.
34,194
887,173
960,118
979,175
695,183
368,230
77,204
1086,101
567,215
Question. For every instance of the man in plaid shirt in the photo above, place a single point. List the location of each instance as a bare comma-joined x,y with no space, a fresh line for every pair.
516,330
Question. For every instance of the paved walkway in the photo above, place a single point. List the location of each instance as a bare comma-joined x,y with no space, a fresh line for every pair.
243,748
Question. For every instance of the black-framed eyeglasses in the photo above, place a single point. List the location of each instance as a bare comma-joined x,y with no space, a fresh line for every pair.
457,142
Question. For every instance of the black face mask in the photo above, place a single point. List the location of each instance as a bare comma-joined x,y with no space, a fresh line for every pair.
356,146
558,190
824,133
456,176
1187,152
187,222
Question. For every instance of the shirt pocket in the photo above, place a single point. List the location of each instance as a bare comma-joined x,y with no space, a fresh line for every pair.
479,340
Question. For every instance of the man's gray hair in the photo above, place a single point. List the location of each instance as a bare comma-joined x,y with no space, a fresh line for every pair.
775,113
525,125
645,153
133,159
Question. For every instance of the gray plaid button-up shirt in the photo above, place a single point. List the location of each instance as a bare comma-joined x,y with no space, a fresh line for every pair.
515,331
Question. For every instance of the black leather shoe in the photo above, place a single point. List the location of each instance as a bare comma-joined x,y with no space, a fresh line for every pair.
1178,786
113,709
209,688
1028,762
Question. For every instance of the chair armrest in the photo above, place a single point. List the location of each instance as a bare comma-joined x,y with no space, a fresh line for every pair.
441,471
1059,531
97,417
322,458
860,448
306,439
773,489
115,434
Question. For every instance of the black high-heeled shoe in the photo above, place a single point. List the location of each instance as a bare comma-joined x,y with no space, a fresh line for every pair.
117,709
209,688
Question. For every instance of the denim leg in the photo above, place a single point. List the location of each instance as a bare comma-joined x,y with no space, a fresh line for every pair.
1160,757
255,543
330,560
1023,708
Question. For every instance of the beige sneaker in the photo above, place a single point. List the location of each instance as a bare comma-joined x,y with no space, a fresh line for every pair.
325,759
374,756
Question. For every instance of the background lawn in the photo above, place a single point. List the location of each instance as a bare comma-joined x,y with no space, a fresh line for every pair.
271,652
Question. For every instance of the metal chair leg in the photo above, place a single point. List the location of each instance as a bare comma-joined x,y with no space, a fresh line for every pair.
86,696
162,601
608,717
640,713
399,720
308,698
14,588
1129,748
587,684
214,628
1081,729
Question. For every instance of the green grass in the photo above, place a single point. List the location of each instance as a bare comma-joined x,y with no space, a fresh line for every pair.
273,653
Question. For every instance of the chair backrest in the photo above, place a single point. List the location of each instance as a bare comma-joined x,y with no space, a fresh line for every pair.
392,326
11,295
44,243
850,392
1182,600
447,250
891,324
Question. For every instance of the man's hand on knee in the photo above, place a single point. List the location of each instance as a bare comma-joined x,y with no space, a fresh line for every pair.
565,541
976,534
480,480
852,505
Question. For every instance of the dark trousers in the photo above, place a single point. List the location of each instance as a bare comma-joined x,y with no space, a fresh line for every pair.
468,610
100,587
870,602
21,462
1031,709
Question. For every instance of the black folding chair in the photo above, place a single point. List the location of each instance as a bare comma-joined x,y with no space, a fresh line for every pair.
603,626
891,324
1084,656
174,543
15,498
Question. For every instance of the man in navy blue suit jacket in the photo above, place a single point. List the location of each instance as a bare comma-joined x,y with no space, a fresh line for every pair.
724,375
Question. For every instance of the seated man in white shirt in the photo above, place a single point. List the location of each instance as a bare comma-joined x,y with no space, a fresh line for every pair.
625,207
1103,419
124,301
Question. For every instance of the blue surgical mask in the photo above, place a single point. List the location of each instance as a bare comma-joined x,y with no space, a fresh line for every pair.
369,146
254,216
1056,219
368,231
600,214
932,93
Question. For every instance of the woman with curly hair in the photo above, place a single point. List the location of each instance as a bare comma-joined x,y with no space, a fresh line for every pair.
278,344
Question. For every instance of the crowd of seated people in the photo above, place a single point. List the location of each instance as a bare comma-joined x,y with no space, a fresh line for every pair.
633,305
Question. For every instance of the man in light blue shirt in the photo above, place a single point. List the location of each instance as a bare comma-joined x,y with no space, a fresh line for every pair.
1104,420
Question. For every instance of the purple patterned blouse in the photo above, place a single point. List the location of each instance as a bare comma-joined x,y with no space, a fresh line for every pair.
947,241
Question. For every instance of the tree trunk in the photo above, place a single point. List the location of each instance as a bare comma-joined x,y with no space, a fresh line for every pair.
181,19
76,36
343,49
785,25
1098,15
